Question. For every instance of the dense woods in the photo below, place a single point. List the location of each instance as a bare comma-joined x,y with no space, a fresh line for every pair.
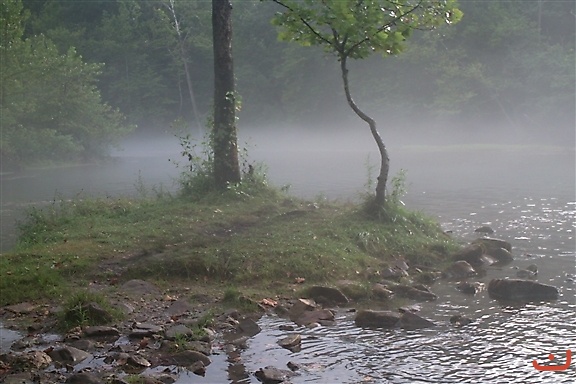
77,75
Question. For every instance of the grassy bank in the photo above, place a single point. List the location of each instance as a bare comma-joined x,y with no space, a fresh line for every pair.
259,240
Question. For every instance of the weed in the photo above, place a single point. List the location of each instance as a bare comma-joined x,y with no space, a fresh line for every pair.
86,308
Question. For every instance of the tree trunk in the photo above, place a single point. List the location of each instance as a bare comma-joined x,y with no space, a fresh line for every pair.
224,139
380,198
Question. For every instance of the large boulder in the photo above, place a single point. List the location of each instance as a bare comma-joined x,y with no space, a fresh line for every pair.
367,318
521,290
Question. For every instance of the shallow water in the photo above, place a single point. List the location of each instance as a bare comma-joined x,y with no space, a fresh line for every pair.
527,197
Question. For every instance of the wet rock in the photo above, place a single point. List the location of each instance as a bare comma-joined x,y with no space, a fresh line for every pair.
320,316
474,255
500,250
68,355
327,295
419,293
248,327
470,288
178,330
137,361
292,342
460,320
188,358
200,346
409,320
381,291
293,366
100,331
84,378
459,270
301,306
484,229
141,330
521,290
410,308
21,362
377,319
19,378
531,272
272,375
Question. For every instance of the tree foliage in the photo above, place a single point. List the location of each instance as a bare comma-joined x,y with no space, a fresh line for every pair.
50,106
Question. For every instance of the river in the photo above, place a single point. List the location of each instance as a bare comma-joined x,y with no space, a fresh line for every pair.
527,194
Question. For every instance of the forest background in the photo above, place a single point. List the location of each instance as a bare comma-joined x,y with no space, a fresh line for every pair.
76,76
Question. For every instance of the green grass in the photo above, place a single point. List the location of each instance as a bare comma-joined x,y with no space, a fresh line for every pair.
255,240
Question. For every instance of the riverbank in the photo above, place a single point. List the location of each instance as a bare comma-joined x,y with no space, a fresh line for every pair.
243,251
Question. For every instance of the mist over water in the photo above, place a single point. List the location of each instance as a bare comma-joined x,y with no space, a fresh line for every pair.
526,192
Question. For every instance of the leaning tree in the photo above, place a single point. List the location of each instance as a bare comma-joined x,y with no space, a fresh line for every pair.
354,29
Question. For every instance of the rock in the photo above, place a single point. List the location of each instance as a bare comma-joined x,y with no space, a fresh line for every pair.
459,320
188,358
272,375
178,330
91,312
84,378
137,361
141,330
409,320
320,316
474,255
179,308
200,346
21,362
68,355
100,331
292,342
139,288
526,274
484,229
470,288
248,327
393,273
327,295
521,290
459,270
413,292
490,244
377,319
299,307
21,308
381,291
500,250
293,366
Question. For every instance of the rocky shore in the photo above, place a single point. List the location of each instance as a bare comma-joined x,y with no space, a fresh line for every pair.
164,332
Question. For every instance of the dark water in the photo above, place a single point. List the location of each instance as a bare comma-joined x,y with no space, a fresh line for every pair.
526,195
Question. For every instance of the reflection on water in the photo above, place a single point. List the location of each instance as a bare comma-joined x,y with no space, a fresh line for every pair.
527,198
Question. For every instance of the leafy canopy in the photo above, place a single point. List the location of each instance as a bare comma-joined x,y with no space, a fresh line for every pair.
357,28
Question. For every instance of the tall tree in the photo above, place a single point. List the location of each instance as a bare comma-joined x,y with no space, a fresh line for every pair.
224,138
353,29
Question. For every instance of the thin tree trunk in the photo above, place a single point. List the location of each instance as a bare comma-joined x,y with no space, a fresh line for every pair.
380,198
226,166
172,9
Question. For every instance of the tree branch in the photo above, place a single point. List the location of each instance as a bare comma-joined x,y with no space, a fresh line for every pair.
305,22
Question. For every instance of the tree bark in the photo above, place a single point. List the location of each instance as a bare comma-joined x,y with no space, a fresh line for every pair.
224,138
380,197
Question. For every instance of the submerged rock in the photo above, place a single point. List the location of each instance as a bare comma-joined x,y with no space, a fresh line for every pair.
521,290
